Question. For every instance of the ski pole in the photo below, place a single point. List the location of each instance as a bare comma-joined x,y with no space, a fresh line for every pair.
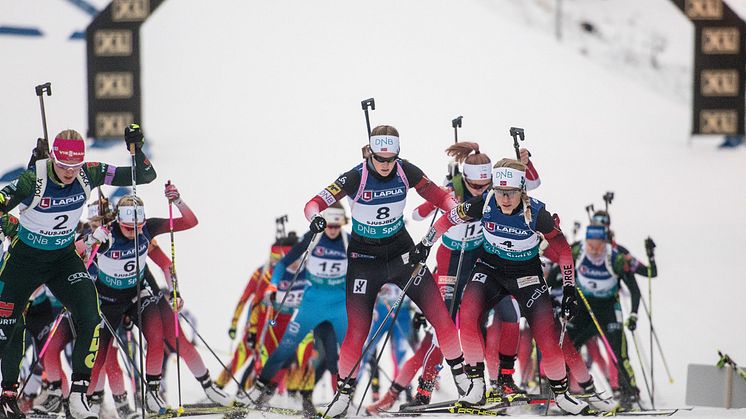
607,345
419,270
314,240
222,364
175,294
137,260
368,103
377,357
517,133
642,366
650,334
44,347
657,342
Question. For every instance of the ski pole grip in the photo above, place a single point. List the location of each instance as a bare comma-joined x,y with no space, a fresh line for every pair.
46,87
369,103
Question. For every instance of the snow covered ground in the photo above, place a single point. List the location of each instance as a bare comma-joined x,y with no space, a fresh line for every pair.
253,107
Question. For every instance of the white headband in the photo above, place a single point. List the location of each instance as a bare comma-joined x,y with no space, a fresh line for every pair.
477,171
384,144
126,215
93,210
505,177
334,216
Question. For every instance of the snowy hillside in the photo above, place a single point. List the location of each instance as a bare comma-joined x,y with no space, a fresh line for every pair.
253,107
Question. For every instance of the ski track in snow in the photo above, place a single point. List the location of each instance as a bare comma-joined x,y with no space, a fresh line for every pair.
252,108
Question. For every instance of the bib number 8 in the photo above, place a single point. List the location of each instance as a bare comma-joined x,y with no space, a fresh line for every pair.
383,213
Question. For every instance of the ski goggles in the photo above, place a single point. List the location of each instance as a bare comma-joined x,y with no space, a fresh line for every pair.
68,166
476,186
508,193
381,159
602,219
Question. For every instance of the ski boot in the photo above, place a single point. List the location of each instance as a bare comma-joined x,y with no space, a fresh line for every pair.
154,402
422,397
309,410
507,388
566,402
596,399
388,400
95,401
475,393
463,382
123,407
9,403
260,393
338,407
212,391
78,401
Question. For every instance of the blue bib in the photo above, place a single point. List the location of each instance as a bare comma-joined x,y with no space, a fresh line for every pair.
508,236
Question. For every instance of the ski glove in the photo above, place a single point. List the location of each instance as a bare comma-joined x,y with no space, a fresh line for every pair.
569,302
179,301
133,135
650,248
419,253
100,235
172,194
318,224
632,322
232,332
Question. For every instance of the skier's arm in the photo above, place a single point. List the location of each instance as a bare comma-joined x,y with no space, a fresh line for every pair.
439,197
558,250
247,292
108,174
293,255
423,211
16,191
634,290
532,176
346,184
466,211
160,258
633,265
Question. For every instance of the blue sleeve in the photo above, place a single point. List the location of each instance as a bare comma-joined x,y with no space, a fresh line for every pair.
293,255
278,272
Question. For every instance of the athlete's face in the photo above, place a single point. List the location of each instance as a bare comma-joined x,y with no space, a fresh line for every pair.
477,187
128,231
595,247
508,199
66,171
332,231
384,162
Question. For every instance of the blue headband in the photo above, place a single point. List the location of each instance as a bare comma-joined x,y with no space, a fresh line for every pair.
595,232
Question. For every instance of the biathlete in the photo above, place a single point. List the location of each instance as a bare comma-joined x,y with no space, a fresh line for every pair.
472,180
325,271
52,196
513,226
379,252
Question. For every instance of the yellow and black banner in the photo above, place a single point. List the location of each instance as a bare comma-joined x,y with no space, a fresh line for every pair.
719,67
113,54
